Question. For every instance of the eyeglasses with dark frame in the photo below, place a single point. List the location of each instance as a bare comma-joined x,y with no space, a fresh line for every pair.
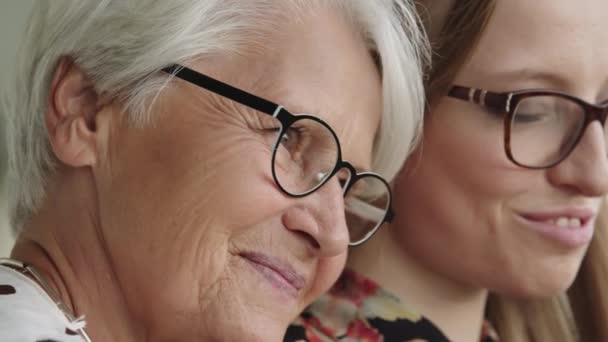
541,127
306,154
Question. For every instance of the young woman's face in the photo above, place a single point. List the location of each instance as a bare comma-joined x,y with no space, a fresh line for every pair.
469,213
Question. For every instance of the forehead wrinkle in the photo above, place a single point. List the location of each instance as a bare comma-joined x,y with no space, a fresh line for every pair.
272,82
274,75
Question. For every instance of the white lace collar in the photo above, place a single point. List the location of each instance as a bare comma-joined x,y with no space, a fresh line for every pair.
27,312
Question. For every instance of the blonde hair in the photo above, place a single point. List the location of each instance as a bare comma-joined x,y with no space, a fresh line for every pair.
122,45
582,312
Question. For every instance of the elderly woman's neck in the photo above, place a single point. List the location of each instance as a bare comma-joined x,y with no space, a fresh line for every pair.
457,309
62,242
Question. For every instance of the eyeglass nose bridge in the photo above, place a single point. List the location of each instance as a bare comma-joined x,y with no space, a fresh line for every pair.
352,174
599,113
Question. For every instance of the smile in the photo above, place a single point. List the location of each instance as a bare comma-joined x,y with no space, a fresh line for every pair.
571,228
280,275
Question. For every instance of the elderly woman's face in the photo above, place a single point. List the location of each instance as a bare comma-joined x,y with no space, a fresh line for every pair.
465,209
203,241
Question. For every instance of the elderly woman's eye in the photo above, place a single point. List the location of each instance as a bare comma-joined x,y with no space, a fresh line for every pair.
291,148
290,138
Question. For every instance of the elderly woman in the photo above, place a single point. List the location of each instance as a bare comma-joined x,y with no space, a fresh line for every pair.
162,187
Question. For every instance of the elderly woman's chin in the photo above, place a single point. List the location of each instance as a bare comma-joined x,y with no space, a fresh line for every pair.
238,303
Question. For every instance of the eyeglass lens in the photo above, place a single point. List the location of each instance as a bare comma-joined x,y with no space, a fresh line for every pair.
544,129
367,202
306,154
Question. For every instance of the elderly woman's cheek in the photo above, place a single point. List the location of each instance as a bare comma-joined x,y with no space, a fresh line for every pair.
327,272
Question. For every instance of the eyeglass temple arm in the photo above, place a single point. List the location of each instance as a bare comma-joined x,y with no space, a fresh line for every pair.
491,100
223,89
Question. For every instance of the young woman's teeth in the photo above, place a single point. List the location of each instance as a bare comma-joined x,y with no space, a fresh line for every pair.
566,222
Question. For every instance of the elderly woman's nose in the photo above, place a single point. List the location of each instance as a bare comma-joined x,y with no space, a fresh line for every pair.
333,234
586,168
321,219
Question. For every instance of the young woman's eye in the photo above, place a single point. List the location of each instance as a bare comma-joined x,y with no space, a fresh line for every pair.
535,114
529,117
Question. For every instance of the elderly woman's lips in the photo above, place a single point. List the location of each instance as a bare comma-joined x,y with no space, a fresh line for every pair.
275,271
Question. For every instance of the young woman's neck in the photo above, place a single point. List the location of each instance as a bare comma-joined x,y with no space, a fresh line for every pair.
456,309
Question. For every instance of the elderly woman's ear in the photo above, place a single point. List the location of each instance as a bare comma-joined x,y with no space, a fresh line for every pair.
71,116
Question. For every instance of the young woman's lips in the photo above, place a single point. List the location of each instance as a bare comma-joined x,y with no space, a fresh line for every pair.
280,275
570,227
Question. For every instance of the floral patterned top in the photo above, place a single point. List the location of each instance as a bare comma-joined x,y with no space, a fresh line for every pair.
358,309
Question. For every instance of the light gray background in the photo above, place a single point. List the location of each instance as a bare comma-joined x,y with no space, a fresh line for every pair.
13,15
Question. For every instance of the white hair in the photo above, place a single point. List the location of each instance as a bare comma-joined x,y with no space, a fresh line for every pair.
122,45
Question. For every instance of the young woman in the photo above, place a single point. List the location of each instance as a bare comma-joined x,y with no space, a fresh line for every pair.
495,211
